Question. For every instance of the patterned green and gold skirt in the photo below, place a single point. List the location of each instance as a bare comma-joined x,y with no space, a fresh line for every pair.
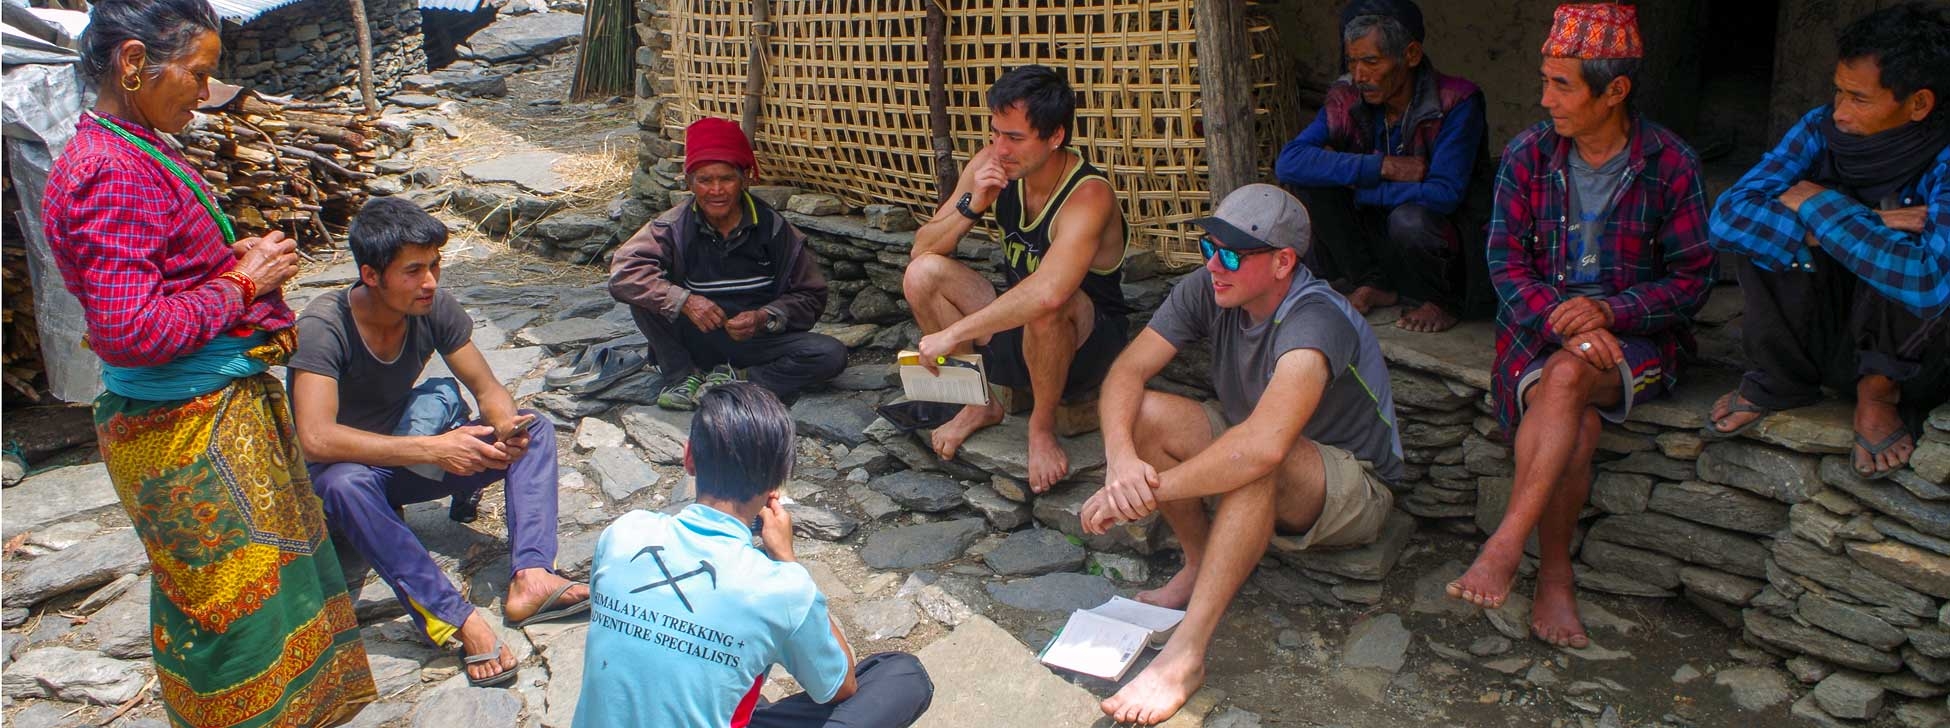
249,615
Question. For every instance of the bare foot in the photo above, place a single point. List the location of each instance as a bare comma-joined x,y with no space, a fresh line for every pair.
1175,594
948,437
476,638
529,590
1554,615
1368,298
1876,418
1048,463
1487,583
1160,690
1726,420
1427,318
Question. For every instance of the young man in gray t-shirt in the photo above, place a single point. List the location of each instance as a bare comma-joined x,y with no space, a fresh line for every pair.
1301,440
359,352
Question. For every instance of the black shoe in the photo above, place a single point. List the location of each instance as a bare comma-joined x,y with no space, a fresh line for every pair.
466,507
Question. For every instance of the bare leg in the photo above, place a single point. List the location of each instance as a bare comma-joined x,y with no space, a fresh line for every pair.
941,291
1876,417
1554,614
1049,344
1170,430
1545,444
1243,526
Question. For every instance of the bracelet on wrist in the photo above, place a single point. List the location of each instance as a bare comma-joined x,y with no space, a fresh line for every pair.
245,285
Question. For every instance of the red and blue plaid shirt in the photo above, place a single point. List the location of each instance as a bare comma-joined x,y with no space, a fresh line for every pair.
1657,266
1908,268
141,254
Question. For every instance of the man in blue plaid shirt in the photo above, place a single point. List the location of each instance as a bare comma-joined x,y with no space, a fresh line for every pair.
1845,233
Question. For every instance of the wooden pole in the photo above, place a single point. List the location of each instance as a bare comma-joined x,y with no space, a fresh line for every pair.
1227,94
755,72
364,31
946,175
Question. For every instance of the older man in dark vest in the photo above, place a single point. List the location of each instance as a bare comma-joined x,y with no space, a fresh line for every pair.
1385,169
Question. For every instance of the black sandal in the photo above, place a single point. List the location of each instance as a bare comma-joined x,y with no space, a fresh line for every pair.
1738,405
504,677
1875,451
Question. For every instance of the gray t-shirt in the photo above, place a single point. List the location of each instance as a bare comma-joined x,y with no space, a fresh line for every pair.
1356,413
1591,193
373,393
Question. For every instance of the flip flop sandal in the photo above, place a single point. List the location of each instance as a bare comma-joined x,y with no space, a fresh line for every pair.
1875,451
546,614
917,414
496,680
588,363
616,364
1737,406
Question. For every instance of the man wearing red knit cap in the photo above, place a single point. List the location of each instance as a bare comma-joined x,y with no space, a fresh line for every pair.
1598,252
725,283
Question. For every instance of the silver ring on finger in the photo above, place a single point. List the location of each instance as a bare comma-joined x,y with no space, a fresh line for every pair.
1586,346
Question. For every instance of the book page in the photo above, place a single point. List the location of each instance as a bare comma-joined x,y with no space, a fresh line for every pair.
1096,646
1148,616
962,380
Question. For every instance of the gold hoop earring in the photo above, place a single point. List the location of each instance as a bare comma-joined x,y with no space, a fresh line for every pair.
132,88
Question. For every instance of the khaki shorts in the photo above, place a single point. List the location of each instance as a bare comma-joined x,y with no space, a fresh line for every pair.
1356,503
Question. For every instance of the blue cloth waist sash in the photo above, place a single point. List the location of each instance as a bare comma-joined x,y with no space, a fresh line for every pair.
198,373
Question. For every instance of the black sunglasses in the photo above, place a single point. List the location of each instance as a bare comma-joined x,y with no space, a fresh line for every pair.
1228,257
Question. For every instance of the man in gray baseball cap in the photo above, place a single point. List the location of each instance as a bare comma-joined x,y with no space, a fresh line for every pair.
1301,439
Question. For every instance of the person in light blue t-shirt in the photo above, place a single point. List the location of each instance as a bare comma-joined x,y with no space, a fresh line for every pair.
689,616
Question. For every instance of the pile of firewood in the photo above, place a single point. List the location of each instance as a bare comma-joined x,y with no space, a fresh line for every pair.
294,166
20,340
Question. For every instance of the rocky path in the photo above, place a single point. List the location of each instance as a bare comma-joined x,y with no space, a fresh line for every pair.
951,560
946,559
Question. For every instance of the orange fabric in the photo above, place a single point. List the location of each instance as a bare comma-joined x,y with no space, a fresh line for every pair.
1595,31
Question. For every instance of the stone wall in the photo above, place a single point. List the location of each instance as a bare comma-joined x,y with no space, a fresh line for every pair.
309,49
1771,533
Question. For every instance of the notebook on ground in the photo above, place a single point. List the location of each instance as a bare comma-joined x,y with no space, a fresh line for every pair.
962,379
1104,641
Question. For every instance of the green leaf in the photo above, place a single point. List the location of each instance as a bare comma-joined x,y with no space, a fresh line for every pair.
1074,539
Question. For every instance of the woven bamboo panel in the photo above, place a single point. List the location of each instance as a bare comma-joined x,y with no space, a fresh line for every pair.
845,109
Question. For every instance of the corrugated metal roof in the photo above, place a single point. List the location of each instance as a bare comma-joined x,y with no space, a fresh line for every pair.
465,6
242,12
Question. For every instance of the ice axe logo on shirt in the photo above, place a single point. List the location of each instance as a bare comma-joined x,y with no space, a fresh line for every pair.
703,568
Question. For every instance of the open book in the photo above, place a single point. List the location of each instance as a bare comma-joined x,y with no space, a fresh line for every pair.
1105,640
963,380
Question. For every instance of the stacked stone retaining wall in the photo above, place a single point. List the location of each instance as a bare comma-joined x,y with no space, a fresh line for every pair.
309,49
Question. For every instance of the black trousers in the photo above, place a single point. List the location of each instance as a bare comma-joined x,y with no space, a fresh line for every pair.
1803,330
1409,249
894,692
787,363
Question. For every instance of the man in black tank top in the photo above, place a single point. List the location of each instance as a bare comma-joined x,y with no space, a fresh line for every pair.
1060,321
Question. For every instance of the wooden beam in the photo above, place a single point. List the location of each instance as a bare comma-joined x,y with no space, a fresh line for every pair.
946,174
1225,90
755,69
363,31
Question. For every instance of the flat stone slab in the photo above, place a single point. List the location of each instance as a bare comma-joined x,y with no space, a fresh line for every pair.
532,171
1054,592
1004,449
525,36
1367,563
62,494
91,563
996,681
838,417
572,332
1035,551
925,492
1457,354
927,544
620,472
